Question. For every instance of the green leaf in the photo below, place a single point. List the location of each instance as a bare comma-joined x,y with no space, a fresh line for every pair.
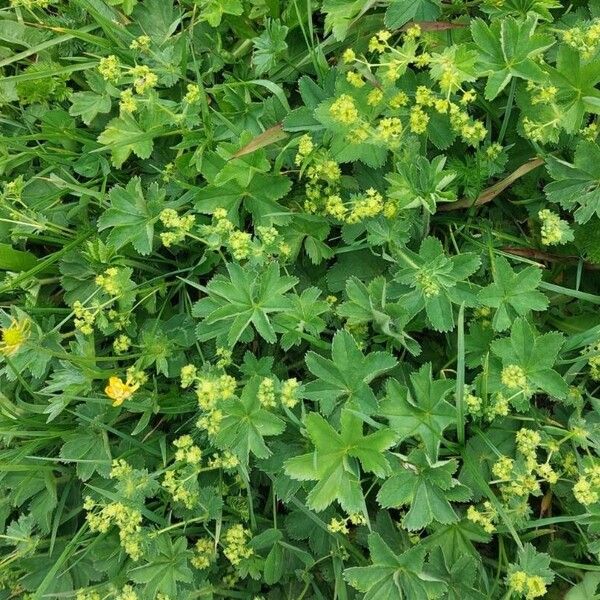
259,197
269,46
15,260
132,215
427,487
576,184
334,462
400,12
393,576
246,424
89,104
535,355
339,15
244,298
274,565
459,576
347,375
167,567
507,49
123,135
513,293
212,11
576,83
586,590
420,182
303,316
532,562
369,305
421,411
437,281
88,449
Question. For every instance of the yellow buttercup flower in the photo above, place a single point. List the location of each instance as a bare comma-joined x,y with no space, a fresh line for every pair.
14,336
119,391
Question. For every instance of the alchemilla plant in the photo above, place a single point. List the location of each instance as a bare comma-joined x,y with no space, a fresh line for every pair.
299,300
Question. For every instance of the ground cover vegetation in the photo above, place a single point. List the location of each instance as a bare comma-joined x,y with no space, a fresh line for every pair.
299,299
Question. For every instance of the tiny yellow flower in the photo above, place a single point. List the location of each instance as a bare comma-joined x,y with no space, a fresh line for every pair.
14,336
119,391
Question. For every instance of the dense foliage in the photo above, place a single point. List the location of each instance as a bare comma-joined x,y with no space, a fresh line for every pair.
299,299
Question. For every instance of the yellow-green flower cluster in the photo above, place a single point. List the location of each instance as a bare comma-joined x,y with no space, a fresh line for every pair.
178,226
241,244
224,357
224,460
590,132
127,593
305,147
109,281
187,451
211,421
514,377
502,468
141,43
528,441
205,553
585,39
541,131
179,488
486,517
322,194
542,94
235,544
338,526
266,393
341,525
427,284
522,476
87,595
594,360
587,488
289,392
365,207
531,586
127,102
554,230
389,129
143,78
188,375
193,93
127,520
343,110
121,344
210,389
379,42
84,318
109,68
